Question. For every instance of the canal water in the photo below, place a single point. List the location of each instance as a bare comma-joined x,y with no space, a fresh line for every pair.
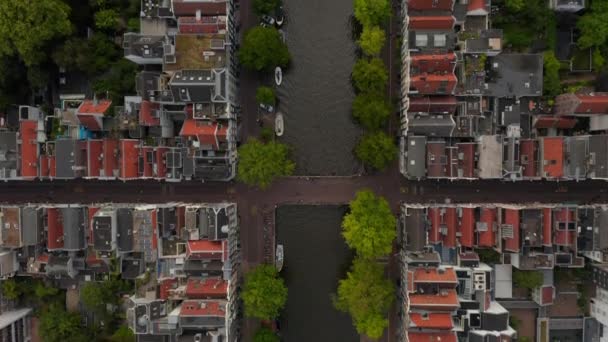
316,94
316,257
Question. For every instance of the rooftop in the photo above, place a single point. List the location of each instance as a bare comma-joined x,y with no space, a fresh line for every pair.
198,52
435,275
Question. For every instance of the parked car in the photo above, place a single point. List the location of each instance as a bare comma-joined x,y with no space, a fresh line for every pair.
268,108
268,20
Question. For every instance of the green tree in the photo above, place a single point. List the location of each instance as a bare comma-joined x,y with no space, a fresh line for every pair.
598,60
527,279
372,40
263,49
118,81
376,150
265,335
27,26
94,296
261,7
264,292
133,24
371,110
41,291
367,296
259,164
369,227
92,56
370,75
10,289
106,19
372,12
123,334
515,5
592,26
551,81
265,95
58,325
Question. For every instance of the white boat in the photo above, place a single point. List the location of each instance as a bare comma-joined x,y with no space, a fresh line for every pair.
278,75
279,125
278,262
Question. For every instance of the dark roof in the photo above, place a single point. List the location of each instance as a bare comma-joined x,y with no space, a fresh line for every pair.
131,267
124,234
431,125
8,154
598,150
102,233
415,238
416,157
143,46
67,158
33,225
514,75
74,224
576,156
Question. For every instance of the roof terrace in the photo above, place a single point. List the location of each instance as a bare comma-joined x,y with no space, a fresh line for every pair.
197,52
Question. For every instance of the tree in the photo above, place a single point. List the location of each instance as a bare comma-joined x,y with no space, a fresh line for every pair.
261,7
372,40
265,335
94,296
123,334
27,26
551,82
263,49
515,5
370,75
527,279
264,292
369,227
598,60
10,290
367,296
92,56
371,110
265,95
118,81
376,150
106,19
592,26
259,164
58,325
372,12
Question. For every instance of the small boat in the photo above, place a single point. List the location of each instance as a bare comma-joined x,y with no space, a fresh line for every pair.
279,125
278,75
280,16
278,262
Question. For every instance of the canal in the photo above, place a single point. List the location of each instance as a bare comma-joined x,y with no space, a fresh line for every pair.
316,257
316,93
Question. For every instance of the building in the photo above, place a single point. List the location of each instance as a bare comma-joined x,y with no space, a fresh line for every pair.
15,325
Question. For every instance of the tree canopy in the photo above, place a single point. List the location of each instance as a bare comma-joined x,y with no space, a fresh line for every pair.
370,75
27,26
371,110
263,49
261,7
515,5
372,12
94,296
527,279
592,26
551,81
58,325
372,40
265,335
376,150
367,296
10,290
260,163
265,95
92,56
264,292
370,226
123,334
106,19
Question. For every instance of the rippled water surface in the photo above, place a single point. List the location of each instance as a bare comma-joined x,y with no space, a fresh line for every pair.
316,94
316,257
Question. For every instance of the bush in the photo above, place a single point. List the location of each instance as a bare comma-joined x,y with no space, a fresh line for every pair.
527,279
376,150
370,75
263,49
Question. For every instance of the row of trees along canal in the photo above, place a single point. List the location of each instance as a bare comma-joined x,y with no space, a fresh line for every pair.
371,108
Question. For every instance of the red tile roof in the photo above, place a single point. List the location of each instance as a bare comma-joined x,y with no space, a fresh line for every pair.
425,5
431,336
436,63
434,275
145,113
553,157
44,166
91,122
487,237
29,148
55,229
94,157
528,159
431,22
449,239
91,107
477,7
433,215
433,104
436,159
110,157
564,238
207,25
466,227
467,163
207,133
512,218
561,122
205,249
434,84
431,320
448,299
200,308
154,229
52,166
206,288
592,104
129,158
547,227
148,163
207,8
547,294
161,166
165,286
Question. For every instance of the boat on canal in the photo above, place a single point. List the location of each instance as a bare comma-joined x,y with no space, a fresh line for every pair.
279,125
278,75
279,256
